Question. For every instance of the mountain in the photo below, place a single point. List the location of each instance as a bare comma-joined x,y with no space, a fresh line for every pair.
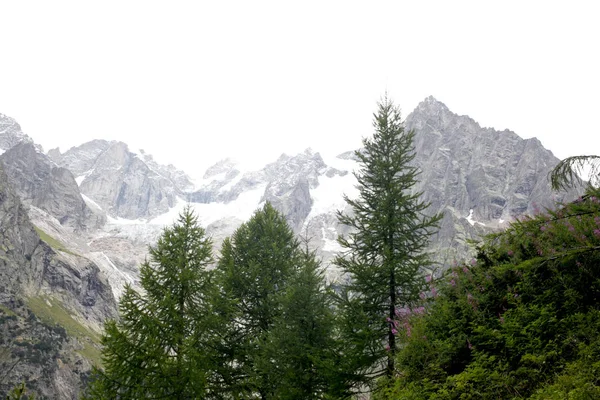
43,184
123,183
11,134
76,225
480,178
52,305
53,300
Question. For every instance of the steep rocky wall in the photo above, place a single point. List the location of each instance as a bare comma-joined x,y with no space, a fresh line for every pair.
40,182
52,305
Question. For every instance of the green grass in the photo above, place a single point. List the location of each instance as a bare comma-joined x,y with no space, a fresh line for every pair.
92,353
55,244
52,312
7,310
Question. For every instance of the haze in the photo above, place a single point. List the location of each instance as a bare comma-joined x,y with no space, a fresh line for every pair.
192,82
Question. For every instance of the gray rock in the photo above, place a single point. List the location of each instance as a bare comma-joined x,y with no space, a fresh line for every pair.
11,133
122,183
496,174
36,277
40,182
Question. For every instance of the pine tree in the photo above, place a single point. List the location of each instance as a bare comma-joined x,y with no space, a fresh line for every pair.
384,255
157,348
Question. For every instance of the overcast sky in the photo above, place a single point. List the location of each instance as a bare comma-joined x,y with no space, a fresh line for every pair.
194,81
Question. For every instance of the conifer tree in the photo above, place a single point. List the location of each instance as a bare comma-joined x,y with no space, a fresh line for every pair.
384,255
255,267
279,342
568,173
157,350
302,338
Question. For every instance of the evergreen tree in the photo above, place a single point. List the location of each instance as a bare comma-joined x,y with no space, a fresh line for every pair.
254,270
279,342
157,349
567,173
384,254
302,340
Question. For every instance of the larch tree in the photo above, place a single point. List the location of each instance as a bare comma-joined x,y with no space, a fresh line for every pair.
255,267
302,337
568,172
384,256
278,342
156,350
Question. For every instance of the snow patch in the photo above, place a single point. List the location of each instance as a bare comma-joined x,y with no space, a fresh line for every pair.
124,221
90,202
241,208
471,220
81,178
328,196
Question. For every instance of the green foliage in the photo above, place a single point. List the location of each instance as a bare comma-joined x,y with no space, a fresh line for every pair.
19,393
521,321
277,341
301,338
384,255
255,268
567,173
158,347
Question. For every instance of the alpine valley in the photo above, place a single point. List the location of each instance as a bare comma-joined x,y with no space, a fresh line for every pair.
76,225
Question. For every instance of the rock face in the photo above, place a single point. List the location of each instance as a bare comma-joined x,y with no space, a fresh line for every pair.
43,184
285,183
480,178
11,133
42,284
123,183
18,243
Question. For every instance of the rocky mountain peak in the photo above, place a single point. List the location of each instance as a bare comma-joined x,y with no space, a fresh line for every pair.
123,183
11,134
40,182
480,178
224,166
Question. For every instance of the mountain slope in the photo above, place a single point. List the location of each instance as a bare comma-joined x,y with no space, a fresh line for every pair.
123,183
478,177
43,184
52,306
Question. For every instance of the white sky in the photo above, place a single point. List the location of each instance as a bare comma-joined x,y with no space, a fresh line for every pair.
194,81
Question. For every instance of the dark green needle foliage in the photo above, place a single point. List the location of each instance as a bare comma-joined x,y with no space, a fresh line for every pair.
384,255
277,341
301,339
157,349
255,268
568,172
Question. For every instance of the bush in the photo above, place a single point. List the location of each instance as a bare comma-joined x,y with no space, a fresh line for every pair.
520,321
